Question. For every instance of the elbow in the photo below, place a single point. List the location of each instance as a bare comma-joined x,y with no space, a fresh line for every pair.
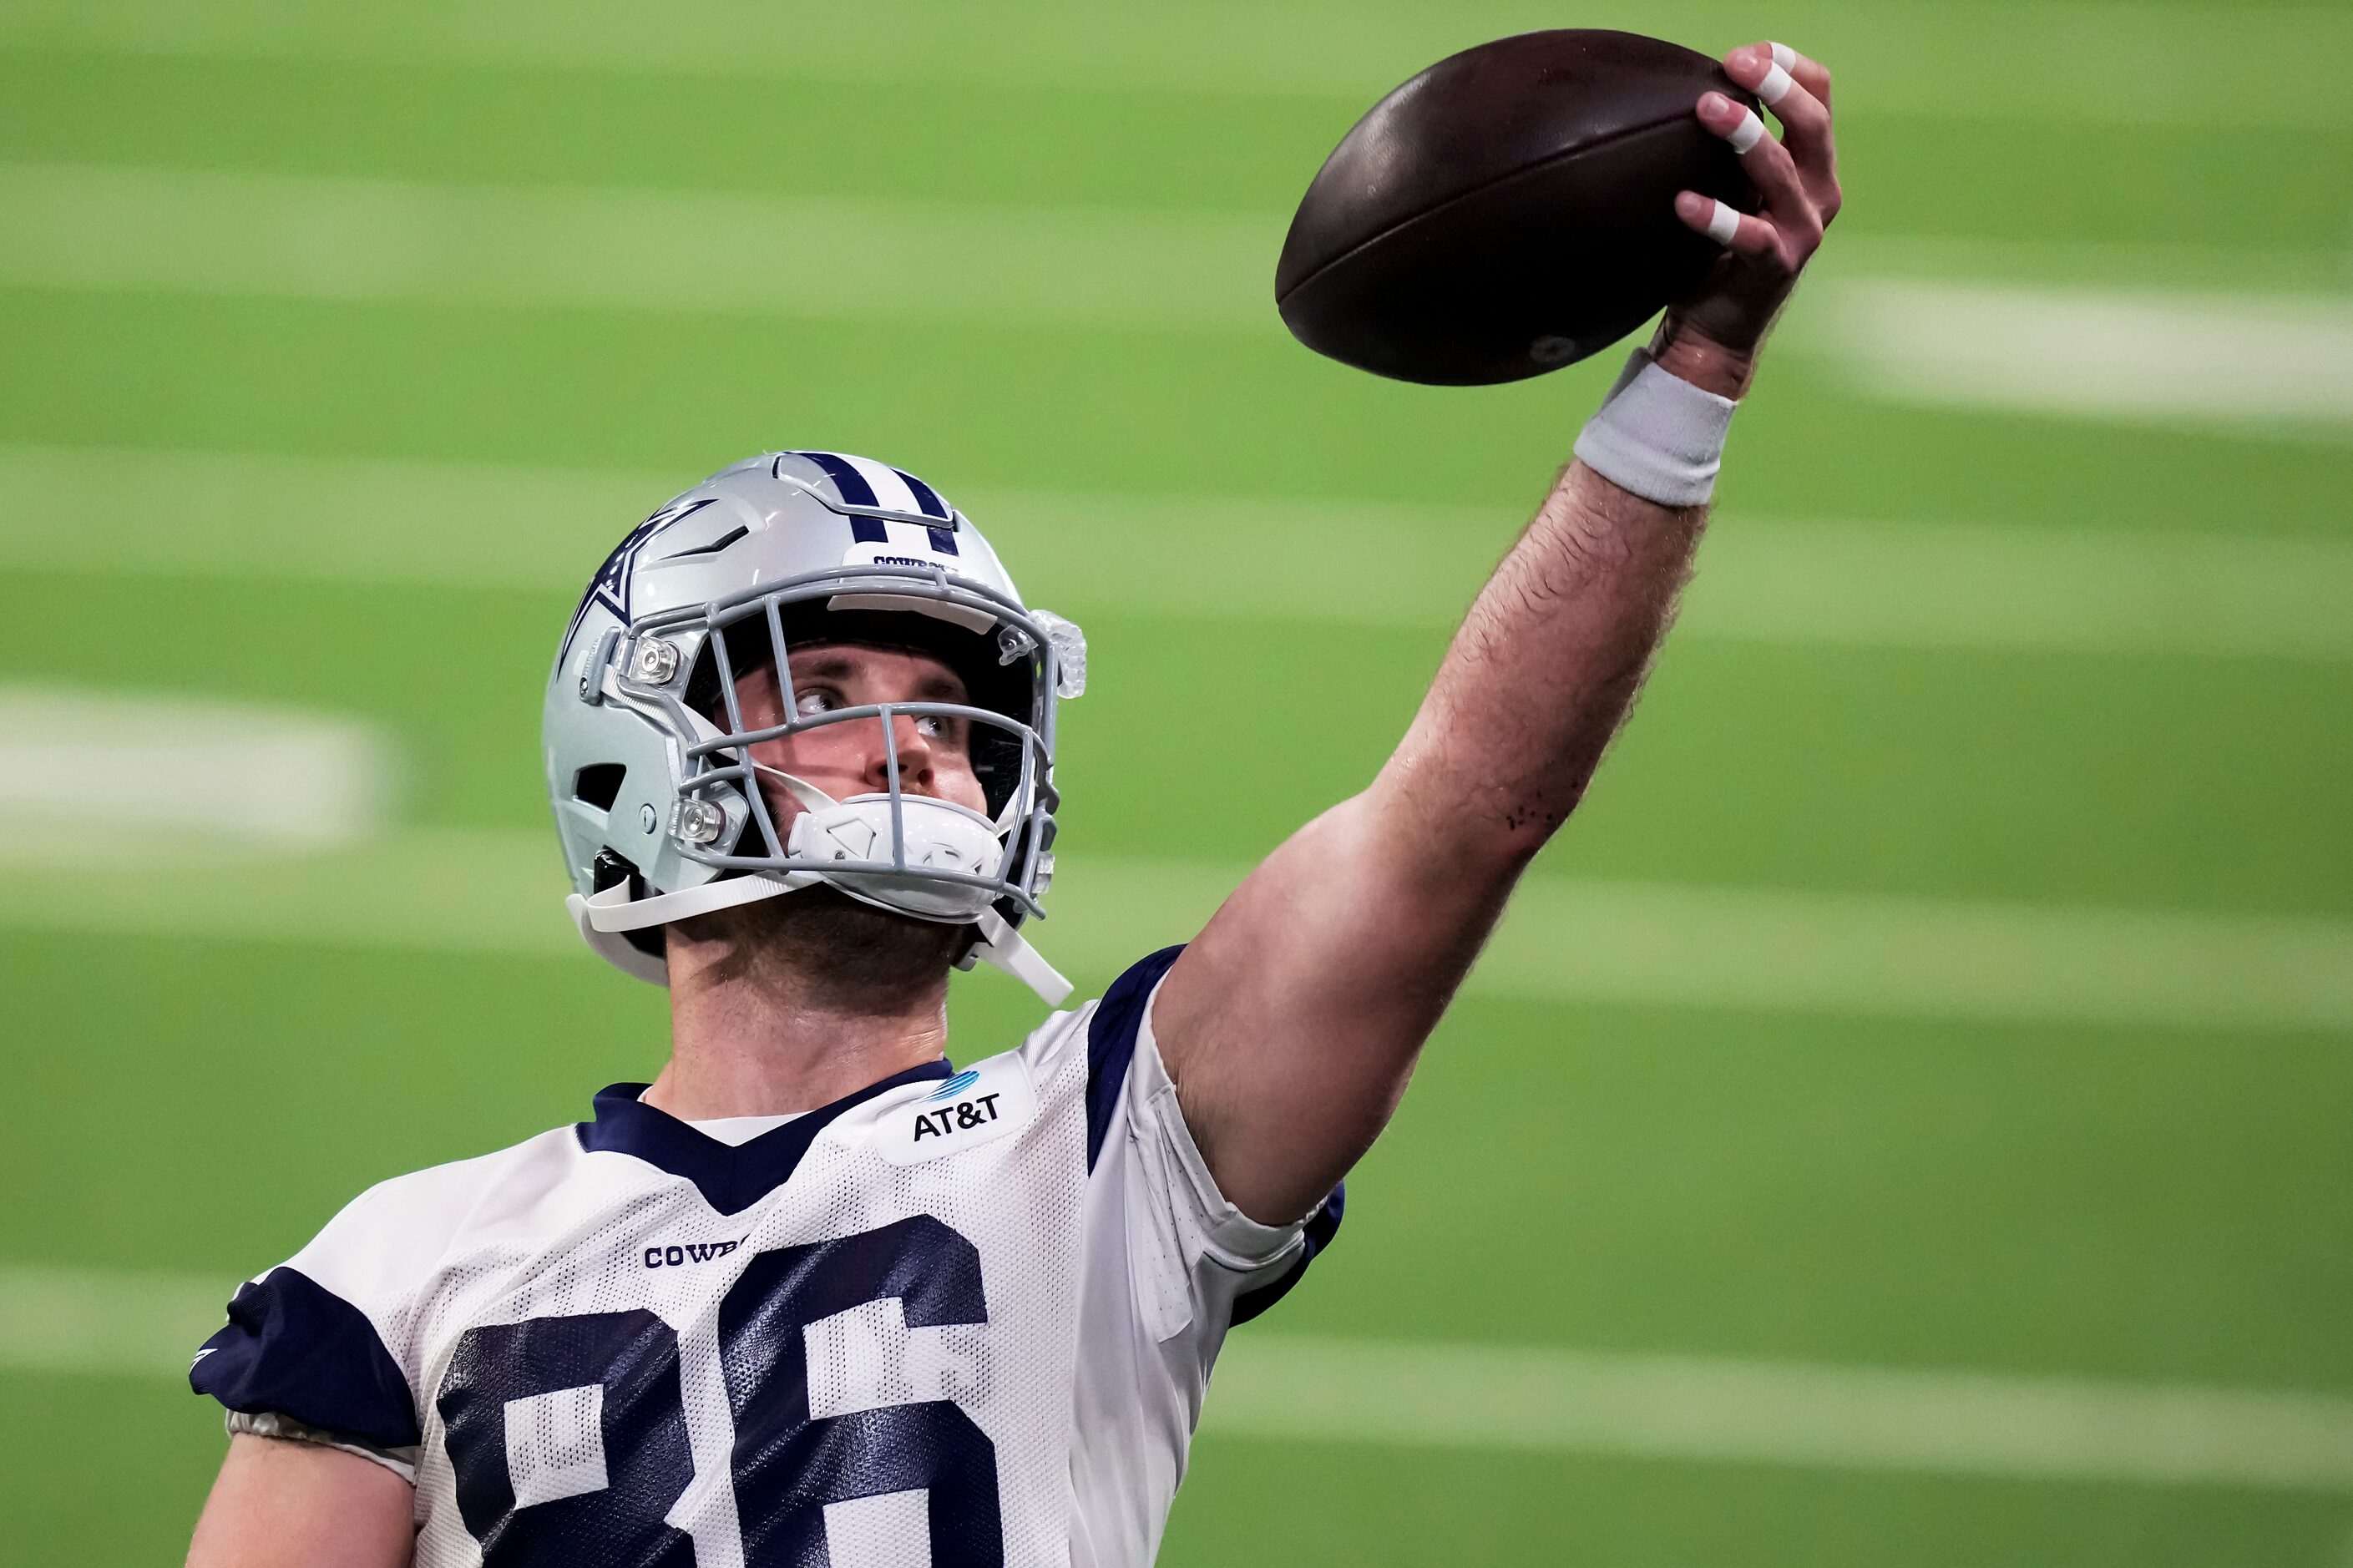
1482,816
1522,827
1474,839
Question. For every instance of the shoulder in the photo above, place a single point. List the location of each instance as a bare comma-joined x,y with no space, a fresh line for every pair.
1195,1259
389,1240
1091,1047
315,1340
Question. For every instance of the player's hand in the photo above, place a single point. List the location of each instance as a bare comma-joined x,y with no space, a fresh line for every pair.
1713,337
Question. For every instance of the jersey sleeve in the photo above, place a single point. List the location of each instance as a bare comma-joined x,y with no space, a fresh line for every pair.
325,1345
1169,1265
297,1348
1198,1263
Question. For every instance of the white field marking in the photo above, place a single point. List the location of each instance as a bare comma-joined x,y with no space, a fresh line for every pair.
1750,1411
1740,950
102,226
107,1323
92,227
1370,563
2254,360
2122,64
78,765
2065,263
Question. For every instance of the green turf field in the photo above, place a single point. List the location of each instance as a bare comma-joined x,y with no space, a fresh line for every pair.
1944,1006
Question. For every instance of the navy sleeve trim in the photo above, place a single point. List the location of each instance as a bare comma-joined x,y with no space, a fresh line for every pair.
1111,1041
295,1348
1322,1227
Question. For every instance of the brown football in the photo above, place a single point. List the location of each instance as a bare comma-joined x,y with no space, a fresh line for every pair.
1509,210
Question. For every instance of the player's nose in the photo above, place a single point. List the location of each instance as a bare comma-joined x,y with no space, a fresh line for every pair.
918,773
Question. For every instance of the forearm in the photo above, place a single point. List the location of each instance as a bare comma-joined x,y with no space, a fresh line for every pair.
1539,679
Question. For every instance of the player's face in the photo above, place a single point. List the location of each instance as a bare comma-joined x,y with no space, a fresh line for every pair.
851,757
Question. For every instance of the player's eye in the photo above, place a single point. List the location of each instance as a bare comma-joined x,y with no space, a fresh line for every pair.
943,727
811,701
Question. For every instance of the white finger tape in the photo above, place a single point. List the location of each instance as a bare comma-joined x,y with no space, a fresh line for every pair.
1776,85
1747,133
1723,224
1785,56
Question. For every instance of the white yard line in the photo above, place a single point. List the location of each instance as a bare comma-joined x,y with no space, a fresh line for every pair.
2240,361
2096,263
1526,1399
78,764
2101,63
274,236
106,1322
1896,584
1836,1417
2099,352
1743,949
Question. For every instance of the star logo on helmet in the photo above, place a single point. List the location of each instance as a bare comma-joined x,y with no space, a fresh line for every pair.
610,586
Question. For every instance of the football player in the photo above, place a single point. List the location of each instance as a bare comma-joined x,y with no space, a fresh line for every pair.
816,1295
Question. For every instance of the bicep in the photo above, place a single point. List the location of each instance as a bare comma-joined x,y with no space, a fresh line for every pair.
1293,1022
280,1502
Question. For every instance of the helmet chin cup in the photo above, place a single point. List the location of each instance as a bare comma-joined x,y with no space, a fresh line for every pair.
936,837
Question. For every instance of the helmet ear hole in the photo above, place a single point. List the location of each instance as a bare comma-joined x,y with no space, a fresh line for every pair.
598,784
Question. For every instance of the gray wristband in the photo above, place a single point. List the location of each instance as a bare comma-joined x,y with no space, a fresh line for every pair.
1657,436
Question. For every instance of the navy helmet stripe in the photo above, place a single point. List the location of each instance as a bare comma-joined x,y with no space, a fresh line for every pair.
855,490
942,541
927,498
869,531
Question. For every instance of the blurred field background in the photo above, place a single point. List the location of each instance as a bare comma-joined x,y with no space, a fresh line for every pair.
1906,1121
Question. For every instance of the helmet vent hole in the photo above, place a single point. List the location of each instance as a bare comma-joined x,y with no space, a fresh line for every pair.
598,784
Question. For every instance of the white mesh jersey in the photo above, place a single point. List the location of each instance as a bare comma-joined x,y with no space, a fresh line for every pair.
953,1318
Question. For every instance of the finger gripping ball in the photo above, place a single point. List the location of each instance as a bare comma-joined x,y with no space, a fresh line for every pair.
1509,210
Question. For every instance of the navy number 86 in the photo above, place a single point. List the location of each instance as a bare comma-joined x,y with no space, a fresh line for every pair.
617,1374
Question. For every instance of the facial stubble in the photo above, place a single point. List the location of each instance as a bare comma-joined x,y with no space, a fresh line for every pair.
828,952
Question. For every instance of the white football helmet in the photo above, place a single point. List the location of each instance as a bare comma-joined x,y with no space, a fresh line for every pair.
649,761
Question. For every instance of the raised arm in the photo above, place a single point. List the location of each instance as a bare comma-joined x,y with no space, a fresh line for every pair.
1291,1026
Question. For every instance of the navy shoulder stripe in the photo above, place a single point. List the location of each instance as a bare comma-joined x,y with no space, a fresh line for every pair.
1111,1041
296,1348
1322,1227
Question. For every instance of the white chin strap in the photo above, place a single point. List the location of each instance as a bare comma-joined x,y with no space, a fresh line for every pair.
1001,947
937,835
